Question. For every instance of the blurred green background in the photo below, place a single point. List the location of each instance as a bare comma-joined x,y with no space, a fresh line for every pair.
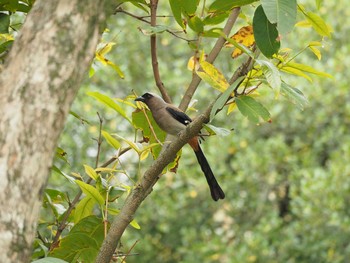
287,183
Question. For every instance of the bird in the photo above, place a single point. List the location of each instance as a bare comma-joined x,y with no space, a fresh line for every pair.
172,120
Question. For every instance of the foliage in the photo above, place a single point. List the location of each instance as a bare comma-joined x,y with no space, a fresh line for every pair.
270,174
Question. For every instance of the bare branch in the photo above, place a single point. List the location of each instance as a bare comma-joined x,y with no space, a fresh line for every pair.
153,38
211,58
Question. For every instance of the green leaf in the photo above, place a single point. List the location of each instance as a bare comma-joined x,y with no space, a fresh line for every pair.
265,33
318,24
152,30
196,24
91,172
6,45
4,23
91,191
272,75
140,122
111,140
282,12
308,69
294,95
175,6
224,5
213,76
61,154
76,115
83,208
109,102
215,18
49,260
221,101
83,242
252,109
134,224
213,130
190,6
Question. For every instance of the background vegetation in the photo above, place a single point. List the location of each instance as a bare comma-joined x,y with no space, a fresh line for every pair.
287,182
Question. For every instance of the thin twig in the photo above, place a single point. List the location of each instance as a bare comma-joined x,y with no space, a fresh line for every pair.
99,140
76,199
142,18
128,253
153,39
211,58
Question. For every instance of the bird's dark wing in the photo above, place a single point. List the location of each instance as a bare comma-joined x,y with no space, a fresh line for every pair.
179,115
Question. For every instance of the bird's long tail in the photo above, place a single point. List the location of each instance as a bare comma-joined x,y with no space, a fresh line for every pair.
215,189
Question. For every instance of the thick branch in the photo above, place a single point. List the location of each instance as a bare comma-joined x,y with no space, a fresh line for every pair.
211,58
144,186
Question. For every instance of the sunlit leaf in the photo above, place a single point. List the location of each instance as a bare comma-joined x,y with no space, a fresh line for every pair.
134,224
308,69
318,24
109,102
111,140
84,208
91,191
212,76
296,72
252,109
194,64
221,101
243,36
91,172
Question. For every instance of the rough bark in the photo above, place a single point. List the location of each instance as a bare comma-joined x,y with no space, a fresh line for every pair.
37,86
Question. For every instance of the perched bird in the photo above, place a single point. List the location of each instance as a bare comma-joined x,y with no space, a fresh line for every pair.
172,120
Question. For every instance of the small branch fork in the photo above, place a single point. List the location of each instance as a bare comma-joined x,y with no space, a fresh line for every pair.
211,58
145,183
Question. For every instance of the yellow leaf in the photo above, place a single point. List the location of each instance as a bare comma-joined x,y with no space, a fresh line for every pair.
303,23
193,64
90,172
244,36
144,155
213,76
231,107
316,51
105,49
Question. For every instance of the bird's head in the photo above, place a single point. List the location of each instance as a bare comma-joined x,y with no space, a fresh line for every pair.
145,97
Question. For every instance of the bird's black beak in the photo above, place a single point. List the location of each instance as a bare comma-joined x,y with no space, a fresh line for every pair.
140,99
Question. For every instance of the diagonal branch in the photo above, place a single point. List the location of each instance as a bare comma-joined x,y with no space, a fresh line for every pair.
144,185
211,58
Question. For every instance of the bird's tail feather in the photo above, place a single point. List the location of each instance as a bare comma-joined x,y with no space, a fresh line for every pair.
215,189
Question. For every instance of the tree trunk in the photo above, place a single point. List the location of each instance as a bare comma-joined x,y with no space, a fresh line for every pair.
37,86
